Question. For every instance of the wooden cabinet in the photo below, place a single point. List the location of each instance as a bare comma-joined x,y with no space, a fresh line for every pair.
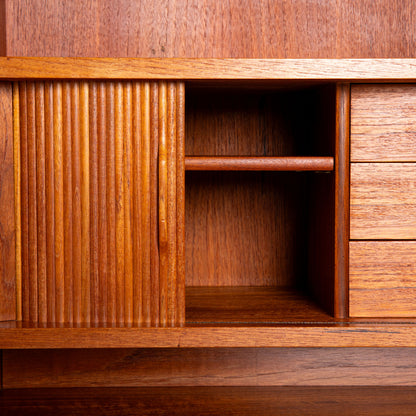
207,203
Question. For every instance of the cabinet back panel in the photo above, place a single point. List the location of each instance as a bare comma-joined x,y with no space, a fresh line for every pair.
244,122
245,229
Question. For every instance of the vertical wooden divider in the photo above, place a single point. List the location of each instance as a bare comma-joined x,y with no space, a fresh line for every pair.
341,306
100,202
180,203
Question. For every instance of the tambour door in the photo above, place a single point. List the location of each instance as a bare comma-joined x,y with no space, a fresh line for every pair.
99,206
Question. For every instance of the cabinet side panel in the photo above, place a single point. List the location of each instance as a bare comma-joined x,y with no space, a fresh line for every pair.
7,204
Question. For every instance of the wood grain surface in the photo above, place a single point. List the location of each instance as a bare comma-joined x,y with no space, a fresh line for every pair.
184,401
209,69
383,123
260,163
383,201
341,334
7,218
85,210
209,367
249,28
382,279
342,199
258,214
250,305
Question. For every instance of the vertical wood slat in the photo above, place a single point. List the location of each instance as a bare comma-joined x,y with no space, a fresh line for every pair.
24,200
50,201
101,243
8,230
32,202
41,202
17,199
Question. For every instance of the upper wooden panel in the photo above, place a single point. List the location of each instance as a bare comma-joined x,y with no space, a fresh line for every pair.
383,201
209,69
209,28
383,123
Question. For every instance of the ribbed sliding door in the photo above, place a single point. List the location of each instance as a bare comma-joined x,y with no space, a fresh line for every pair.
102,176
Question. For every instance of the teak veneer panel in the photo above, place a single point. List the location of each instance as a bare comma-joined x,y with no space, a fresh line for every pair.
97,160
382,279
249,28
383,123
209,69
208,367
342,334
383,201
205,401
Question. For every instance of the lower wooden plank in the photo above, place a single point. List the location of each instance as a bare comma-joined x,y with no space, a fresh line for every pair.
337,335
7,218
265,401
209,367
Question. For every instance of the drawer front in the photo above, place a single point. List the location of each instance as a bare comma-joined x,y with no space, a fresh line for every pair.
382,279
383,201
383,123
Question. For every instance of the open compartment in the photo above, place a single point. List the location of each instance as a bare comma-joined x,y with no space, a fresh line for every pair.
260,245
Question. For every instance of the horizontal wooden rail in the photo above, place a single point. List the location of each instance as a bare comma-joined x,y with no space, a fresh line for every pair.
188,68
260,163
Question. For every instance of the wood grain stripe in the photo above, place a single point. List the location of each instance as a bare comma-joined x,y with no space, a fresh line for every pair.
145,196
155,290
111,207
24,200
119,188
59,202
17,197
127,191
85,204
171,205
50,200
68,220
41,201
137,239
102,202
32,202
76,202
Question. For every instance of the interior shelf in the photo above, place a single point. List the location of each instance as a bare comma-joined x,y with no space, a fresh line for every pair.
251,305
299,163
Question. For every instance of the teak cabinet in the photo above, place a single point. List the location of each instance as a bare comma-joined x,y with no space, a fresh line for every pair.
207,203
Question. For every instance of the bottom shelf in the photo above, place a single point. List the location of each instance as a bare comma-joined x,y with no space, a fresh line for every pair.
184,401
251,305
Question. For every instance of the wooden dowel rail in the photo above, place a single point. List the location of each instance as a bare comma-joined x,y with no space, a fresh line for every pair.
260,163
